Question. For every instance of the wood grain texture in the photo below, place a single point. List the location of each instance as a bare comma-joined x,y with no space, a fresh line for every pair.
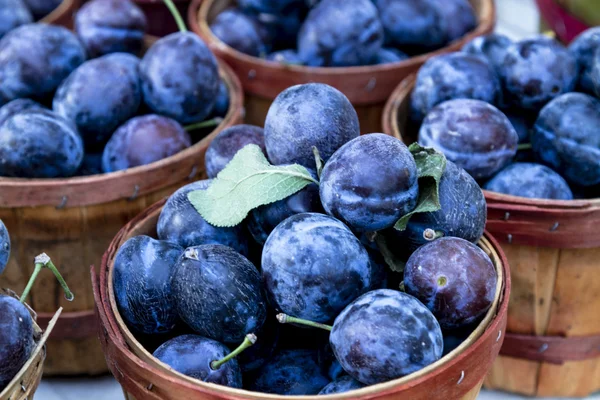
553,248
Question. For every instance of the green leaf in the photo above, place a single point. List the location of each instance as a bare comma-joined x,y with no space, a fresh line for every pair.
430,167
247,182
390,258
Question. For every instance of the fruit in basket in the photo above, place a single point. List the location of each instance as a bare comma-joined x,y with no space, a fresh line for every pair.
180,78
595,73
457,18
228,142
584,48
129,61
535,71
40,8
341,385
16,106
389,55
241,32
142,270
530,180
109,26
288,57
222,101
13,13
492,47
308,115
329,364
522,122
4,246
282,28
218,293
180,223
565,137
269,6
267,339
291,372
473,134
340,34
454,278
91,165
144,140
35,59
16,338
102,78
453,76
39,144
379,188
299,272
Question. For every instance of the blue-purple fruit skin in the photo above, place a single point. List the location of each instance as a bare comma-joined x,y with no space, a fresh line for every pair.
492,47
268,6
339,34
40,8
341,385
385,334
454,278
389,55
535,71
308,115
39,144
240,31
192,355
291,372
16,106
77,99
110,26
180,78
453,76
595,73
91,164
566,138
473,134
329,364
180,223
16,338
228,142
142,284
260,352
522,122
4,246
530,180
370,182
144,140
218,293
35,59
313,266
288,56
458,18
13,13
583,48
282,28
222,101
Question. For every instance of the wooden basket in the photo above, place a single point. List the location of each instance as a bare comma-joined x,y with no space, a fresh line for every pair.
457,376
75,219
160,20
552,345
27,380
367,87
63,14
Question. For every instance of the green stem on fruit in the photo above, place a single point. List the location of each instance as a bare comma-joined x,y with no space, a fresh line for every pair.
176,15
286,319
524,146
43,261
204,124
430,234
318,161
248,341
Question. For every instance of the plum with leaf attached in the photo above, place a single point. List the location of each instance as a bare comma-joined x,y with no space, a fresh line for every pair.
228,142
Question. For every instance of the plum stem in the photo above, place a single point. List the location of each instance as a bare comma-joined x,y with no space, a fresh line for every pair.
286,319
204,124
524,146
249,340
43,261
176,15
430,234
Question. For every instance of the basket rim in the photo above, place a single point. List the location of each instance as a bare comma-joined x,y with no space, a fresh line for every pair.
63,9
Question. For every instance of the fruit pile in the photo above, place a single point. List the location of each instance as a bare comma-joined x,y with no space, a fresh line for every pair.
295,226
333,33
83,103
15,13
521,117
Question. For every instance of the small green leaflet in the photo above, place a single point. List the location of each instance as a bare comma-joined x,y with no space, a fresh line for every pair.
247,182
430,167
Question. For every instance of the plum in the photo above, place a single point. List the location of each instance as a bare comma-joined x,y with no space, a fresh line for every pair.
129,61
142,273
144,140
535,71
218,293
91,165
13,13
455,279
385,334
330,366
492,47
453,76
16,106
341,385
40,8
389,55
522,122
222,101
39,144
379,270
291,372
180,78
457,17
313,266
228,142
288,57
565,137
192,355
241,32
35,59
530,180
269,6
77,99
4,247
109,26
339,34
282,28
180,223
308,115
260,353
583,48
16,338
473,134
370,182
595,74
